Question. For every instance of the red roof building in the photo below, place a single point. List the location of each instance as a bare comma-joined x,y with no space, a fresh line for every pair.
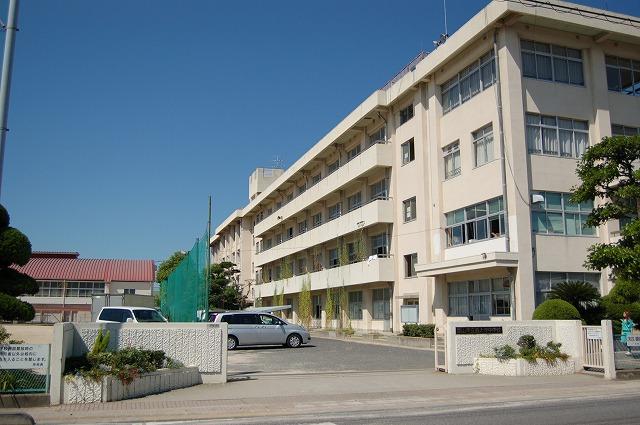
68,282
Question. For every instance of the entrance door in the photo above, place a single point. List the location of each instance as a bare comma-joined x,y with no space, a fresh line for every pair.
480,308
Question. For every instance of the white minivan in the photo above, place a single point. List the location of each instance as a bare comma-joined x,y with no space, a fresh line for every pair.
121,314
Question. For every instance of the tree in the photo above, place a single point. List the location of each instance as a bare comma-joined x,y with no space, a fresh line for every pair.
624,296
169,265
583,296
226,292
608,174
15,249
305,307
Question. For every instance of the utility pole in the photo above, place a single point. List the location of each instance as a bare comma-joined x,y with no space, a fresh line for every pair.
5,80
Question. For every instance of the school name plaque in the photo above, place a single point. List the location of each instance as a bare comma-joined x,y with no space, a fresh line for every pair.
478,330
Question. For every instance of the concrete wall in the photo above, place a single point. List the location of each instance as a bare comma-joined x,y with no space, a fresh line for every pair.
462,349
194,344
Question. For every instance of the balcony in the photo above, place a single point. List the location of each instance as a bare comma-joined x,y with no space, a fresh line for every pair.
376,211
377,155
376,270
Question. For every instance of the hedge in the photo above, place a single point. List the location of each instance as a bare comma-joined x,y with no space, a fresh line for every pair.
421,331
556,309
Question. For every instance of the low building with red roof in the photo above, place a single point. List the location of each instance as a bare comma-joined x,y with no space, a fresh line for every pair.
67,283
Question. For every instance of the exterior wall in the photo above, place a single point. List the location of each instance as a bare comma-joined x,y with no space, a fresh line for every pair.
283,205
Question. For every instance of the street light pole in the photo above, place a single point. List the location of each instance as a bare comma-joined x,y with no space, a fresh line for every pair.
5,80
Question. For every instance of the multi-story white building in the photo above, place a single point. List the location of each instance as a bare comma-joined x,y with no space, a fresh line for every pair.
446,192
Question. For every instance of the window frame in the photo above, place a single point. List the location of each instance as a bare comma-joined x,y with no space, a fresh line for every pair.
483,137
410,261
453,85
407,150
541,127
554,56
409,205
633,68
450,153
466,221
561,213
406,113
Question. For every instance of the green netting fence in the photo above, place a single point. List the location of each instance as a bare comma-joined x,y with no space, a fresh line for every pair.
184,296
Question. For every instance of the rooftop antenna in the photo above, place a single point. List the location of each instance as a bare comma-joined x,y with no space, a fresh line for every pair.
443,37
277,162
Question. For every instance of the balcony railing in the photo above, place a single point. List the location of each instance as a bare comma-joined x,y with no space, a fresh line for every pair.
296,193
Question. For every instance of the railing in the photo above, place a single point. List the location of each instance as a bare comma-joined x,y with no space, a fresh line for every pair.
328,220
340,165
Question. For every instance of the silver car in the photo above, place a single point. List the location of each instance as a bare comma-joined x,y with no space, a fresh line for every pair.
251,328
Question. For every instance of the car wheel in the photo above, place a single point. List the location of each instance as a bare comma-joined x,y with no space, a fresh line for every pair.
294,341
232,342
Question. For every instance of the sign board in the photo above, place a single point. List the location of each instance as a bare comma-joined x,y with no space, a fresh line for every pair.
594,333
633,341
24,356
477,330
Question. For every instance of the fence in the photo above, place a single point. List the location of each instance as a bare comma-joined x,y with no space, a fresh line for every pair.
184,296
24,368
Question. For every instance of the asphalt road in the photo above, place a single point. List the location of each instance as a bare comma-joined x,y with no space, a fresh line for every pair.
326,355
618,411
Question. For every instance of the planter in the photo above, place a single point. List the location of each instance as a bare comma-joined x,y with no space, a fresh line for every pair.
521,367
81,390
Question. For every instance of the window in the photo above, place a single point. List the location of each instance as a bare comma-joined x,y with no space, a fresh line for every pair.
83,289
333,258
381,304
335,211
289,197
548,135
409,209
316,179
278,239
267,244
623,130
148,316
316,220
483,145
290,233
378,190
550,62
277,272
333,166
302,189
406,114
301,266
316,300
469,82
408,152
378,136
480,299
623,75
129,291
410,265
478,222
546,281
302,227
353,153
355,305
451,154
337,305
556,214
354,201
380,245
49,289
352,252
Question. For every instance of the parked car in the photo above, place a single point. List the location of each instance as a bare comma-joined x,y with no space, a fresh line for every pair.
252,328
129,315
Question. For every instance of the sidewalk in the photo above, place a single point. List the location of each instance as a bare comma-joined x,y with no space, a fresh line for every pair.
386,338
281,395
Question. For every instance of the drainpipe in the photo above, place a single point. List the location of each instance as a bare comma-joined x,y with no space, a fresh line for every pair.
503,169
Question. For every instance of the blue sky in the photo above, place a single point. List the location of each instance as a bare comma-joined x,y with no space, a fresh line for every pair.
126,115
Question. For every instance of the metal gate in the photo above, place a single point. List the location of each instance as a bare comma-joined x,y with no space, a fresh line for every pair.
440,349
592,356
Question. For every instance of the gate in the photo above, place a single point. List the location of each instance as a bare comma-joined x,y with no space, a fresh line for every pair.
24,368
592,356
440,349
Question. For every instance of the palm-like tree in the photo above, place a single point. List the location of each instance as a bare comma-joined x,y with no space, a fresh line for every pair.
583,296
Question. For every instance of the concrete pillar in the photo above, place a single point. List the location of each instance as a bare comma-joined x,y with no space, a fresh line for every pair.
608,358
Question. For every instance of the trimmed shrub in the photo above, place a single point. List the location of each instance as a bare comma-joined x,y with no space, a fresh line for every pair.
418,330
4,217
15,247
556,309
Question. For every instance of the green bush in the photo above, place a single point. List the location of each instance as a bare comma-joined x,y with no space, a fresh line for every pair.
504,353
418,330
4,217
556,310
13,309
15,247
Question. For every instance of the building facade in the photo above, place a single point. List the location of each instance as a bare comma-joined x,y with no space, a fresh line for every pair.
446,193
67,283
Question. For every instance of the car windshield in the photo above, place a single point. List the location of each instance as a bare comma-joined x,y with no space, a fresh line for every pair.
148,316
